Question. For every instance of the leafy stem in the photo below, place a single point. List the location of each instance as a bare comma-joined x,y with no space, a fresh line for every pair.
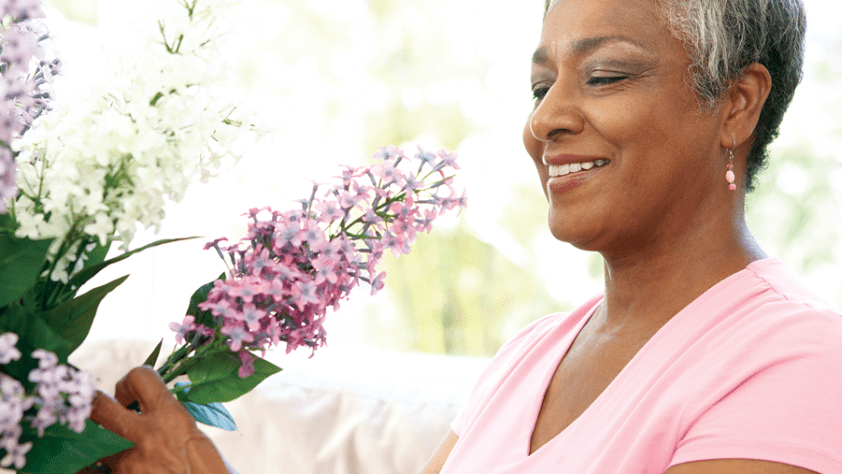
180,361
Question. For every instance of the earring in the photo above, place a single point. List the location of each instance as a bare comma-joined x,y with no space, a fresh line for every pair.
729,175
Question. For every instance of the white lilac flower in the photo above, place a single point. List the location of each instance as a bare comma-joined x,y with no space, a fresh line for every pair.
8,351
16,455
106,162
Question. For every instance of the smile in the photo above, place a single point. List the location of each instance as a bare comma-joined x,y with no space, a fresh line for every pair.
567,168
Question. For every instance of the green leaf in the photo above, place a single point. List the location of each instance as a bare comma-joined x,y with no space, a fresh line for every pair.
61,450
21,262
72,320
215,378
33,334
152,359
88,272
211,414
97,255
200,296
7,223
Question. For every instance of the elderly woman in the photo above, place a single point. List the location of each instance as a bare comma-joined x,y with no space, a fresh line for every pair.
703,355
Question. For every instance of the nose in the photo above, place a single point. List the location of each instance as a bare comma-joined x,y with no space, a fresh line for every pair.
555,116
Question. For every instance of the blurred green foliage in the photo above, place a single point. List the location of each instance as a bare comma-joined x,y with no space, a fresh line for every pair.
457,295
84,11
796,212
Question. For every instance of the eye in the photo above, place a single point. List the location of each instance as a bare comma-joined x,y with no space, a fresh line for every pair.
605,80
539,92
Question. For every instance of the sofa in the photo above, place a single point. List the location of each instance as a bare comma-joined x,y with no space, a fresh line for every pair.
341,412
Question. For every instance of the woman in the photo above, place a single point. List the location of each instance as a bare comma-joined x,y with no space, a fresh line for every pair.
703,355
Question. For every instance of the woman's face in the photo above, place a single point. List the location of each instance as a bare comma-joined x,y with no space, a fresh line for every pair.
612,101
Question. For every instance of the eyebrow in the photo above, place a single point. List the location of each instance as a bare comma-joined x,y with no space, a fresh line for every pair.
586,45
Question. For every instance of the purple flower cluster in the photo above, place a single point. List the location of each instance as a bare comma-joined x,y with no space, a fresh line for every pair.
24,93
292,266
62,395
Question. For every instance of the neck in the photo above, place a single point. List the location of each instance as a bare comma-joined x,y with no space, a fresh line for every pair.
645,288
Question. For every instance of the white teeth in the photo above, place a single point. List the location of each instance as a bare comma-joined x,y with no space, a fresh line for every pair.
567,168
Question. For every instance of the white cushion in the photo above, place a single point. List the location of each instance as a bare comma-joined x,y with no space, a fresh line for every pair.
340,412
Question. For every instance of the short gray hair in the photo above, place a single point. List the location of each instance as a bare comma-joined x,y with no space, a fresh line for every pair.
723,37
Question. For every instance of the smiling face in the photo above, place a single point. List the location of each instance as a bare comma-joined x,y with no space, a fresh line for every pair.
625,154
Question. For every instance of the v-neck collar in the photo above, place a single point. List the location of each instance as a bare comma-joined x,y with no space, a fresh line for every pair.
673,325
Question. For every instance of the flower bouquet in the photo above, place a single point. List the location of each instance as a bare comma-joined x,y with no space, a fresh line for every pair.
85,175
72,182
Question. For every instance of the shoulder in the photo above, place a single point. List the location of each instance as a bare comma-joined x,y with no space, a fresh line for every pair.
764,376
764,306
785,311
764,321
784,288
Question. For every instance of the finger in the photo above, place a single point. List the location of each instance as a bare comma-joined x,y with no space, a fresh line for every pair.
108,413
142,385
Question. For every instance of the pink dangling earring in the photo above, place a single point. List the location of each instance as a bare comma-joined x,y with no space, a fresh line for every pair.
729,175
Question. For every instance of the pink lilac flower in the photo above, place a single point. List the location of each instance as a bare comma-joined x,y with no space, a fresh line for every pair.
313,235
447,160
393,242
19,46
22,9
371,217
294,265
252,316
387,173
329,211
246,292
424,158
385,153
378,283
237,334
182,329
247,364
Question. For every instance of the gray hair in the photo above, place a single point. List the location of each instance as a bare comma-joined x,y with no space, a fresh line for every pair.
723,37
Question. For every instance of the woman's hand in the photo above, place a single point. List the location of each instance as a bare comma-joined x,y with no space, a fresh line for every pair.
166,437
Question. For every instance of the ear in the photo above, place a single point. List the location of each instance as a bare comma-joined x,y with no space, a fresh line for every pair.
742,105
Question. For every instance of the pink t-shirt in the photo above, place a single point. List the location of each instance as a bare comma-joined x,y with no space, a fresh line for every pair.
751,369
